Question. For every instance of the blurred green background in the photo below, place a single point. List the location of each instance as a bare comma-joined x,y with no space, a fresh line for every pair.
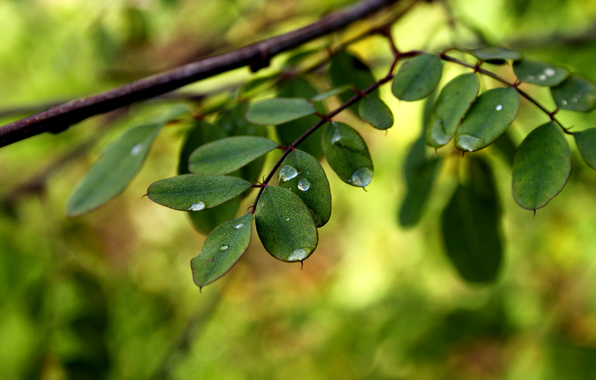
110,294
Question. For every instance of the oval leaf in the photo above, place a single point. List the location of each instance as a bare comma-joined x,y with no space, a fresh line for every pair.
302,174
576,93
278,110
117,166
290,131
285,225
417,78
420,184
347,154
490,115
222,249
195,192
454,101
496,54
329,93
539,73
586,143
375,112
202,132
470,227
229,154
541,168
347,69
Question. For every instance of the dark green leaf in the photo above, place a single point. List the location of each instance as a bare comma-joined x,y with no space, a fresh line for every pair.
329,93
347,154
258,83
278,110
415,159
541,168
201,132
347,69
490,115
195,192
206,220
302,174
427,109
375,112
222,249
290,131
496,54
576,93
285,225
453,103
229,154
586,143
417,78
507,147
420,184
539,73
470,227
117,166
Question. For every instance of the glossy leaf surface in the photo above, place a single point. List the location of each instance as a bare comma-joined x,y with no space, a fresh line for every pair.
285,225
420,183
586,143
417,78
539,73
222,249
119,163
541,168
347,69
278,110
229,154
290,131
490,115
195,192
576,93
347,154
454,101
470,226
375,112
302,174
496,54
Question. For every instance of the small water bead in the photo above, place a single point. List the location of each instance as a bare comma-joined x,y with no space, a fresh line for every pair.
136,149
197,206
303,184
299,254
542,77
336,137
549,72
361,177
499,107
287,172
223,247
239,226
287,219
530,77
564,102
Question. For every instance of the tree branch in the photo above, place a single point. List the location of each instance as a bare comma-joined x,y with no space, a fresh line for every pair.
256,56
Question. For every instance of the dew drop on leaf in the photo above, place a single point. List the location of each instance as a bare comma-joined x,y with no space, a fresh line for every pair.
239,226
223,247
298,254
303,184
361,177
336,137
287,172
197,206
499,107
136,149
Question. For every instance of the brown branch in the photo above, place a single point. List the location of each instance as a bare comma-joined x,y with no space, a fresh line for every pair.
256,56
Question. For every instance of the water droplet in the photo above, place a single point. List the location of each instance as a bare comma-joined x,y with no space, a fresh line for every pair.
136,149
499,107
287,219
469,143
287,172
299,254
336,137
196,206
361,177
564,102
542,77
239,226
303,184
549,72
223,247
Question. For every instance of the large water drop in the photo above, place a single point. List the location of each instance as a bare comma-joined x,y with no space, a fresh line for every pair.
361,177
198,206
303,184
286,173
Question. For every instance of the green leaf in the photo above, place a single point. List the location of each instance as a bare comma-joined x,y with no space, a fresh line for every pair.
222,249
375,112
539,73
329,93
420,183
496,55
290,131
200,133
586,143
347,154
226,155
451,106
206,220
470,227
576,93
417,78
285,225
541,168
302,174
427,109
415,159
347,69
117,166
278,110
490,115
507,147
195,192
258,83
